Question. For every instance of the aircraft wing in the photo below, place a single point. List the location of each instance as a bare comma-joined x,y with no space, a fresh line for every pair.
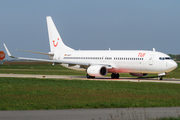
54,61
84,65
45,60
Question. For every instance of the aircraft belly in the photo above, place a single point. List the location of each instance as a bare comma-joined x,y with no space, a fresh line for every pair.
135,67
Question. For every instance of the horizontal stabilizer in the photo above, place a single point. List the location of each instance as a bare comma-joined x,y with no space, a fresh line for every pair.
35,52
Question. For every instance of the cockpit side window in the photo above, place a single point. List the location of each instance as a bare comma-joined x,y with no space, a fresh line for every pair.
165,58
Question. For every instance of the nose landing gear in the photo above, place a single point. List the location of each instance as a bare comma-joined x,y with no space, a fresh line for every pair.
160,75
160,78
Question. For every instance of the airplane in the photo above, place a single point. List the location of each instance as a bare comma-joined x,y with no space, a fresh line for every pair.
100,62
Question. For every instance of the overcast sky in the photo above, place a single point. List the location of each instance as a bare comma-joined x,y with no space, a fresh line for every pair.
91,25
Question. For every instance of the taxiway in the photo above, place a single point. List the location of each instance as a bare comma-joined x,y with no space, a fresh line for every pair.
165,80
92,114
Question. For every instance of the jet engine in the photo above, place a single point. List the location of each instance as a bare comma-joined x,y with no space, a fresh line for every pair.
97,70
138,74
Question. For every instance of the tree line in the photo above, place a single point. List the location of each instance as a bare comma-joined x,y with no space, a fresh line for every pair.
175,57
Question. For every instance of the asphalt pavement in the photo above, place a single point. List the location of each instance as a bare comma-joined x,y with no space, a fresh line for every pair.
92,114
68,77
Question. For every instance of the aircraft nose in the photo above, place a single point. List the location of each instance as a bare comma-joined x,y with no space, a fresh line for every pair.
172,65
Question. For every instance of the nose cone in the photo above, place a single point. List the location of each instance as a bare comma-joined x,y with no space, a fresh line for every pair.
172,65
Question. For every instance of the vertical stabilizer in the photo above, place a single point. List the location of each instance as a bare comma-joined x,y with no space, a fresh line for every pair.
55,41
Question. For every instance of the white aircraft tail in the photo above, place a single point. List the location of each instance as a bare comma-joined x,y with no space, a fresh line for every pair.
55,41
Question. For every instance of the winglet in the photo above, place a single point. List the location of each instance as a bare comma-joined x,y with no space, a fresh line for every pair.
9,54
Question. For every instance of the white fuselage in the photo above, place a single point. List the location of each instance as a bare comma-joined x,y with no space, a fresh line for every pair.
122,61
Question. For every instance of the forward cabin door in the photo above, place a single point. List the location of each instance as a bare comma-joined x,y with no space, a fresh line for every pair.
151,59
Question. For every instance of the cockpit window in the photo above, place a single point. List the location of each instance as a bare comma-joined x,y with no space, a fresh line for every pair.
165,58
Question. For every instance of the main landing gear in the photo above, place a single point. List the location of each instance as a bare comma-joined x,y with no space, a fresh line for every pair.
88,76
115,75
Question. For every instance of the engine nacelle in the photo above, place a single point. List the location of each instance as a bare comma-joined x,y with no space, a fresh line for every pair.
97,70
138,74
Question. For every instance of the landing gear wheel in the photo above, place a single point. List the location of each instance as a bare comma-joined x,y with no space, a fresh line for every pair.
88,76
160,78
115,76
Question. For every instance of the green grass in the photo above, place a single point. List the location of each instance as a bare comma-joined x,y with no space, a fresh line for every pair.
42,69
168,118
175,73
49,69
32,93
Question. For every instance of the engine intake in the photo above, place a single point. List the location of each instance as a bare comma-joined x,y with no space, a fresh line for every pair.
97,70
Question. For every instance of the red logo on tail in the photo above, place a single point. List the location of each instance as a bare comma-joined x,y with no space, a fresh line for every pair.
55,45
